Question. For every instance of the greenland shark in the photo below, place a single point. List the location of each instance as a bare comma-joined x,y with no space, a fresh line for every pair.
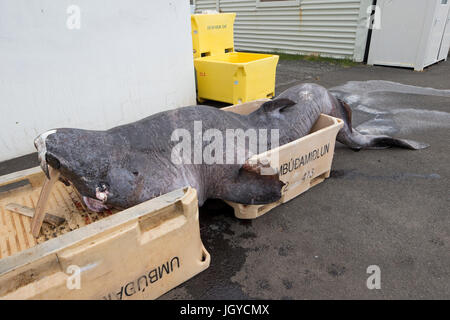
132,163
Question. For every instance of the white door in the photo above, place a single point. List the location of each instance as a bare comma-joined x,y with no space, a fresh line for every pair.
437,31
445,45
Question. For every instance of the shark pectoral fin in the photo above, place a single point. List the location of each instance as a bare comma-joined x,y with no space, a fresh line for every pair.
347,113
383,142
257,183
414,145
277,104
356,140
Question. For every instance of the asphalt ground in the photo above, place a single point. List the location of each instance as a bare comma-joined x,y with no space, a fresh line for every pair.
388,208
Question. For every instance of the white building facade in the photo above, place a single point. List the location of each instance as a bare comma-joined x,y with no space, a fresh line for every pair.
91,64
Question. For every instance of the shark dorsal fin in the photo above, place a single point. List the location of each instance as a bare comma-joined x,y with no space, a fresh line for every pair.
277,104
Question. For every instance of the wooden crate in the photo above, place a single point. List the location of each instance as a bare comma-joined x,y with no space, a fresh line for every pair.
303,163
138,253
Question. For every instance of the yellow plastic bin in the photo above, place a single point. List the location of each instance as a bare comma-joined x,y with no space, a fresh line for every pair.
236,77
223,74
212,34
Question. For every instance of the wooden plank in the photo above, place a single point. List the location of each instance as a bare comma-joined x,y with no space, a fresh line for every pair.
27,222
39,215
3,236
12,246
29,212
20,175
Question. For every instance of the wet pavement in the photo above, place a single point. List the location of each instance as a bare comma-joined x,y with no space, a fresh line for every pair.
388,208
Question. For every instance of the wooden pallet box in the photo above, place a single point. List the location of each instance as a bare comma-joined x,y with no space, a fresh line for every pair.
302,163
138,253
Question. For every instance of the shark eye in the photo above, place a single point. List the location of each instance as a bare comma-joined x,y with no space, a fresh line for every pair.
52,161
102,186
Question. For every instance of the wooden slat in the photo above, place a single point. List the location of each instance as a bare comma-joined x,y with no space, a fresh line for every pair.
12,245
15,229
39,215
29,212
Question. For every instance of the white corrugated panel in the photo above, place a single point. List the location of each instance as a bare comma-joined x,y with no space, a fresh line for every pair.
325,27
201,5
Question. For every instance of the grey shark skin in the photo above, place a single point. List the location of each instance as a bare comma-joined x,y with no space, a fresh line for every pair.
312,99
129,164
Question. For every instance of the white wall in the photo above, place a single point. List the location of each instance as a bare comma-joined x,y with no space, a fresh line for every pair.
128,60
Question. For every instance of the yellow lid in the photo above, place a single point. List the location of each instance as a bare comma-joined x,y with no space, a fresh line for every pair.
212,34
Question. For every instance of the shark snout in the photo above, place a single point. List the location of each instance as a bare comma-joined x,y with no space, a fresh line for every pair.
41,147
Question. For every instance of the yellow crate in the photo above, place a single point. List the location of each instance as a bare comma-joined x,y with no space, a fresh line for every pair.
236,77
225,75
212,34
